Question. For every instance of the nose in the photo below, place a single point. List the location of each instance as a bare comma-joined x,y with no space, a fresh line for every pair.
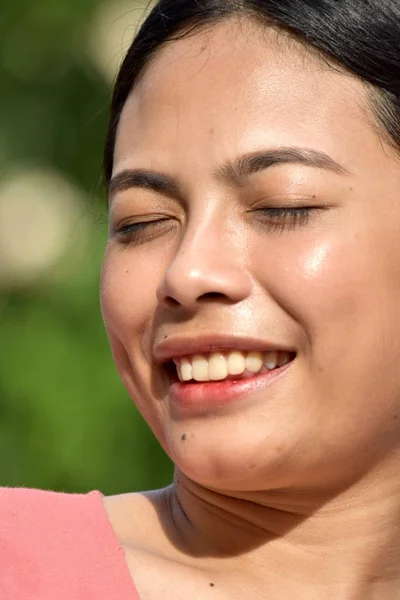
208,265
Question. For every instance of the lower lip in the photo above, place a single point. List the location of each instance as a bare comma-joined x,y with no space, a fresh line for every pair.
203,397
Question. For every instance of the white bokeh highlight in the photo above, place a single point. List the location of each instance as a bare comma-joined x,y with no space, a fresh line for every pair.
39,213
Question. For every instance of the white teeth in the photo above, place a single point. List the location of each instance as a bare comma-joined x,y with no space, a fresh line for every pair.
271,360
200,368
236,363
254,362
218,365
186,370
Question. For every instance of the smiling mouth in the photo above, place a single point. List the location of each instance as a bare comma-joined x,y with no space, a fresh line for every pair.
227,365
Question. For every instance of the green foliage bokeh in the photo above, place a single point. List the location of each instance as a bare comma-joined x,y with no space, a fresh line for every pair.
66,423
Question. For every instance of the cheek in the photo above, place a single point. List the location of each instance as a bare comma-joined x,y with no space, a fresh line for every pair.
128,292
328,277
312,279
128,303
324,278
343,291
336,286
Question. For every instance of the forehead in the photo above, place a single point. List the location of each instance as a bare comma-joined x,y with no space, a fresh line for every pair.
234,87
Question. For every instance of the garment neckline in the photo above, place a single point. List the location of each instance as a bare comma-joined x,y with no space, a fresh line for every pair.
117,549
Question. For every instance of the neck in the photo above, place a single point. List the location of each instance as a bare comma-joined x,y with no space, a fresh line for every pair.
347,542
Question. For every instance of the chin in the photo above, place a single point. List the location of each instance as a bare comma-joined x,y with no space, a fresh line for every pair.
272,462
226,468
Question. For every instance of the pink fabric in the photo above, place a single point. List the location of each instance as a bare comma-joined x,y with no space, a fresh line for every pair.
59,547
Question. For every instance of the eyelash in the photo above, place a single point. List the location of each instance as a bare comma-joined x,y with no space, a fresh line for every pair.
134,231
274,218
280,219
286,217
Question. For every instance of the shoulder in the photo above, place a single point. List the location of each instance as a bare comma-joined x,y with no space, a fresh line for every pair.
136,518
24,497
55,542
39,526
30,510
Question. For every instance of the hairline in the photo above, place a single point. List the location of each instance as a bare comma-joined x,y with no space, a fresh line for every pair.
375,103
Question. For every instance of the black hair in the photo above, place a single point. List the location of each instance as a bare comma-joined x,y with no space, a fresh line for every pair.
361,36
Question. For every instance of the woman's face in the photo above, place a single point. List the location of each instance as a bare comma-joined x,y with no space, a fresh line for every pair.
274,215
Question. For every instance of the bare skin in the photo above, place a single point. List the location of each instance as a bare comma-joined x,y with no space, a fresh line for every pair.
293,491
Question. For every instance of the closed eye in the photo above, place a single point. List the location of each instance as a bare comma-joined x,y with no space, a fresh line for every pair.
286,217
141,231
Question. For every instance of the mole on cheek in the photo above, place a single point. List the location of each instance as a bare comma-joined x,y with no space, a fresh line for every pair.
183,438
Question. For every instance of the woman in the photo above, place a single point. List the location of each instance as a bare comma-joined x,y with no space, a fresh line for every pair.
250,291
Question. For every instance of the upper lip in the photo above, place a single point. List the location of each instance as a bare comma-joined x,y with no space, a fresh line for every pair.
179,346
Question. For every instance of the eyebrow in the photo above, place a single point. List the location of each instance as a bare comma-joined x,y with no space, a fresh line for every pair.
148,180
242,168
233,172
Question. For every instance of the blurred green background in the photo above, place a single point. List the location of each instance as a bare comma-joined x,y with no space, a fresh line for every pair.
66,423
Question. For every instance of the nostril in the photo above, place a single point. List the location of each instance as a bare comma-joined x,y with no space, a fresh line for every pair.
171,302
210,296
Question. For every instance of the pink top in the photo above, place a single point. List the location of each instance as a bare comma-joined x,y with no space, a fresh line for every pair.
59,547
